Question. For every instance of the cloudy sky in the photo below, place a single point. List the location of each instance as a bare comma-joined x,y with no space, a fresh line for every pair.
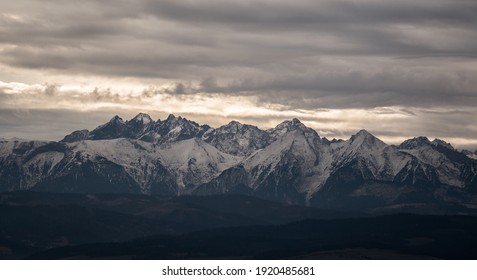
396,68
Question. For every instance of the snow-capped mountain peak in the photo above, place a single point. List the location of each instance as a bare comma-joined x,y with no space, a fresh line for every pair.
295,121
142,118
288,163
77,135
115,128
172,118
291,125
116,119
234,126
173,122
438,142
363,137
175,129
237,139
415,142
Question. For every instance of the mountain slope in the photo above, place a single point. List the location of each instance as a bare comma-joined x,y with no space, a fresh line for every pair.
195,162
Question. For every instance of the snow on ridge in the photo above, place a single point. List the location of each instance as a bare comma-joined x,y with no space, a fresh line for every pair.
196,157
472,156
143,118
39,164
278,152
7,146
180,152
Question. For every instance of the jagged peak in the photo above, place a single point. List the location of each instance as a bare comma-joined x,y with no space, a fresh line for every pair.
143,118
295,121
173,121
179,119
238,125
293,125
363,133
179,128
234,123
116,119
363,137
235,127
422,139
290,124
232,126
415,142
171,117
438,142
115,128
334,140
76,135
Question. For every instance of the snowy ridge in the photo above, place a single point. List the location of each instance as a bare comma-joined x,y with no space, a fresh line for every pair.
448,171
136,157
15,145
288,163
290,146
237,139
39,167
195,162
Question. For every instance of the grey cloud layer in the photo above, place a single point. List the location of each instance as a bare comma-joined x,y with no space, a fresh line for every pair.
304,54
327,53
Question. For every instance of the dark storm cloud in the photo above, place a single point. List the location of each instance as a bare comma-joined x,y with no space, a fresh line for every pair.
362,88
299,14
195,39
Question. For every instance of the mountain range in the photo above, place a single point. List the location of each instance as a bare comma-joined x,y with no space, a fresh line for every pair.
289,163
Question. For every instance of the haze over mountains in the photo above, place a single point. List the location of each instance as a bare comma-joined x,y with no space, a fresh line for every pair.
289,163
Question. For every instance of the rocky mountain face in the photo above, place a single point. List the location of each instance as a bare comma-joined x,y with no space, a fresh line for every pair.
288,163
